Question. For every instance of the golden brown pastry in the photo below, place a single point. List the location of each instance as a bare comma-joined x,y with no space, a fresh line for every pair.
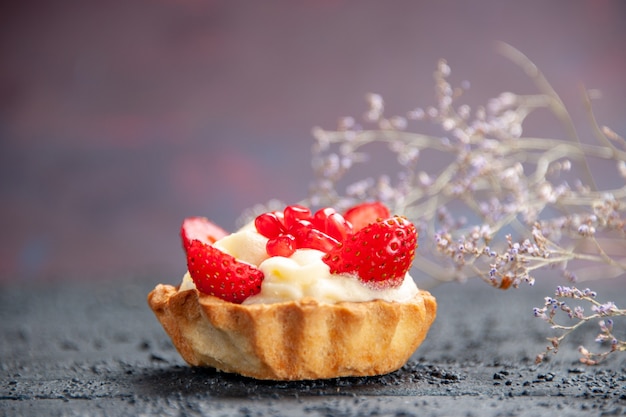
293,340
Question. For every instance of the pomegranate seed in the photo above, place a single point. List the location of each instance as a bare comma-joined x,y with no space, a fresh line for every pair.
300,224
295,213
337,227
316,239
307,236
269,225
283,245
299,230
320,217
296,228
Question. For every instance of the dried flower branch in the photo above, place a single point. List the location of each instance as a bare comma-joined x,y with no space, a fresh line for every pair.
606,312
497,204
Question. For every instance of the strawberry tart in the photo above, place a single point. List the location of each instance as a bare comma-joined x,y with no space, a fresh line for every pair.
298,295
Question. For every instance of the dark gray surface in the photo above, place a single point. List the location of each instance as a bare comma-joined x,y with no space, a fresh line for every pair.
97,350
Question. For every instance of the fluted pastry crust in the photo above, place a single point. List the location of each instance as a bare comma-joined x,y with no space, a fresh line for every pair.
293,340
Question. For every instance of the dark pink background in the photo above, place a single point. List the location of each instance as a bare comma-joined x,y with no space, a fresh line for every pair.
119,118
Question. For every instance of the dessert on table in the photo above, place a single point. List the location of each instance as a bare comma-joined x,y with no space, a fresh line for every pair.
297,295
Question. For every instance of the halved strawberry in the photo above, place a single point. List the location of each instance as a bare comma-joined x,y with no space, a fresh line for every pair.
363,214
379,254
202,229
221,275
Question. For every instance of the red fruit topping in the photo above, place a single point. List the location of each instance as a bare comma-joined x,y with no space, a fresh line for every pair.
269,225
283,245
316,239
298,228
320,217
295,213
202,229
307,236
379,254
221,275
337,226
363,214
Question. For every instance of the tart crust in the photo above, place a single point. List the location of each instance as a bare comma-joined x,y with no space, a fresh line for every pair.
294,340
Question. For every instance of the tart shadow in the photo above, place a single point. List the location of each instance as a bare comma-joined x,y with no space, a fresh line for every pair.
413,378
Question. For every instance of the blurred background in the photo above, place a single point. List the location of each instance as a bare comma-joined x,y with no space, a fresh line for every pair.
119,118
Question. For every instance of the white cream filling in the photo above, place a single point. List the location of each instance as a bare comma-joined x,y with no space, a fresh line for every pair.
302,275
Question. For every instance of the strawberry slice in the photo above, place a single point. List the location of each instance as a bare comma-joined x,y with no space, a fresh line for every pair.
202,229
380,254
363,214
221,275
